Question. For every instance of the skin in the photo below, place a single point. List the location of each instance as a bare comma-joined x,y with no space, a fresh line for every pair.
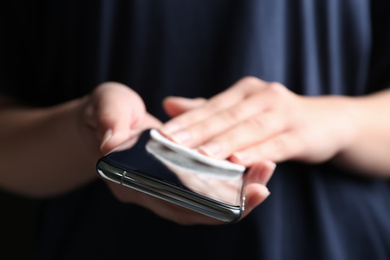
50,151
256,121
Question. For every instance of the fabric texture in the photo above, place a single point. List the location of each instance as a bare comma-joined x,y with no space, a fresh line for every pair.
55,51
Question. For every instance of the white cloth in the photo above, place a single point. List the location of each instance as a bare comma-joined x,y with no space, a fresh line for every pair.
193,153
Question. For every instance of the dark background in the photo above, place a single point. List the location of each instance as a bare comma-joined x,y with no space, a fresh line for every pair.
16,226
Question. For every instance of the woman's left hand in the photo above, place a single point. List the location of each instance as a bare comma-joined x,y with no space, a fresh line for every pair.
256,121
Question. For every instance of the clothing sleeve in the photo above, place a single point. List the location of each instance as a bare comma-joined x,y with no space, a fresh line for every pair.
380,57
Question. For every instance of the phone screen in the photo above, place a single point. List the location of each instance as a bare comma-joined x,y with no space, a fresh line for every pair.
157,161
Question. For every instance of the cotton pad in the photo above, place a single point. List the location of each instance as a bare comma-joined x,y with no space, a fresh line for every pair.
193,153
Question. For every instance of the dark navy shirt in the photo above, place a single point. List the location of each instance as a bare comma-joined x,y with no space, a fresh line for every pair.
54,51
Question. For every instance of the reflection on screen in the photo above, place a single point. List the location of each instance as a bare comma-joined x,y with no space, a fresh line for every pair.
220,184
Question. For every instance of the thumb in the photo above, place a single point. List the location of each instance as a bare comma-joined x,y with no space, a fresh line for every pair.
117,112
120,128
175,106
148,123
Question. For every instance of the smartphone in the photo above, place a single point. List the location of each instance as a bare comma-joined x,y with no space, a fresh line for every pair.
155,169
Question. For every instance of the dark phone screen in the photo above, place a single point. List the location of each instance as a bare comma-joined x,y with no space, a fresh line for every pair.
155,160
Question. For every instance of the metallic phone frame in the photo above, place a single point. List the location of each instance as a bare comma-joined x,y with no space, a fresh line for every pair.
169,192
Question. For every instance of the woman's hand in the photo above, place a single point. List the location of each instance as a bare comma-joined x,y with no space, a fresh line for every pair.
254,121
114,114
59,145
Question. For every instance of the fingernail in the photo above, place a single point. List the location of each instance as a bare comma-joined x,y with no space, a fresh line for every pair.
107,136
169,128
211,149
180,137
265,193
167,98
271,165
241,158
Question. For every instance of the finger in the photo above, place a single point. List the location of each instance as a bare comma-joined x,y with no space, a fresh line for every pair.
239,91
249,109
243,135
260,172
279,148
215,124
255,191
175,106
255,195
148,123
117,111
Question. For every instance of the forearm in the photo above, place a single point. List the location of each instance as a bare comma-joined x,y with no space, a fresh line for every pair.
43,151
369,151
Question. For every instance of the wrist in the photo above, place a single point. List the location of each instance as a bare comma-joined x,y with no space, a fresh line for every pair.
367,149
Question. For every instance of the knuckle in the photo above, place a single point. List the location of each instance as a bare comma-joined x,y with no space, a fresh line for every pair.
276,88
286,148
257,123
249,84
232,115
280,145
279,149
304,148
251,80
216,103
